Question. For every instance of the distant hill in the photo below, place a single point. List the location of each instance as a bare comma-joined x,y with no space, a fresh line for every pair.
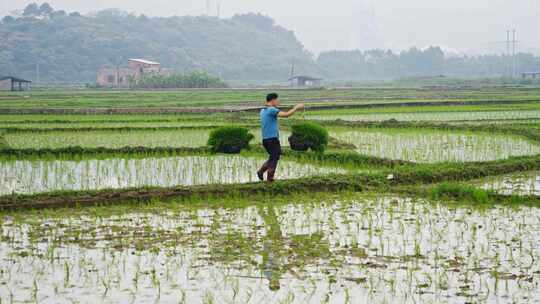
72,47
248,48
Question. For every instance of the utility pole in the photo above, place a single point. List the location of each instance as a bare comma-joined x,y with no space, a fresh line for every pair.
292,72
37,73
508,63
514,53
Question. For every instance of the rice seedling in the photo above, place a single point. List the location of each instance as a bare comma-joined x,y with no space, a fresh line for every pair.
35,176
445,115
458,252
429,146
274,243
520,183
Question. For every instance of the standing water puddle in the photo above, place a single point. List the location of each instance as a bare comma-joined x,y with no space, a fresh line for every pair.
357,249
35,176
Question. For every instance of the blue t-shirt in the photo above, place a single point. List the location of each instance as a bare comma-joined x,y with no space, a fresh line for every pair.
269,122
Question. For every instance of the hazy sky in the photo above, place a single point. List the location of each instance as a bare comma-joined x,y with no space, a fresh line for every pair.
460,25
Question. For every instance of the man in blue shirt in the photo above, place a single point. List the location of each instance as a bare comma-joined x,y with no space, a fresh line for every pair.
270,134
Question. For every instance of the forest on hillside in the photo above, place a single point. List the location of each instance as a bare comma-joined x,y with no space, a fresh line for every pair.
70,48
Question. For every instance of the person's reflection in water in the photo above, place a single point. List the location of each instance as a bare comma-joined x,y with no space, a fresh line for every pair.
270,268
273,247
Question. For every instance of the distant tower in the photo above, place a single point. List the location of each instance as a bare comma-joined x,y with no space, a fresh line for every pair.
365,33
292,72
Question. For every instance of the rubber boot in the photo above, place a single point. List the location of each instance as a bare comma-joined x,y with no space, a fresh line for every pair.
260,173
270,176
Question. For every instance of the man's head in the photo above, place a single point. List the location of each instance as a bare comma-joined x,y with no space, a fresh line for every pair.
272,100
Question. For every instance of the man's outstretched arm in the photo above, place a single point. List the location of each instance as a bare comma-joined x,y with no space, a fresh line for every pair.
291,112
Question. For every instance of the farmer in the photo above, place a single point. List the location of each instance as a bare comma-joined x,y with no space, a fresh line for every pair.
270,134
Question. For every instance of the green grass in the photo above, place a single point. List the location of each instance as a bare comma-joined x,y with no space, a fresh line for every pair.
459,192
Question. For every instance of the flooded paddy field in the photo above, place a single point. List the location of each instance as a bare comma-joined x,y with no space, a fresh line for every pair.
108,139
429,146
176,138
90,119
340,248
432,116
286,242
94,99
38,176
519,183
113,125
510,111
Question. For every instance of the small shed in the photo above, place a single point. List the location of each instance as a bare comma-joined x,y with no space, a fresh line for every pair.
304,81
10,83
531,75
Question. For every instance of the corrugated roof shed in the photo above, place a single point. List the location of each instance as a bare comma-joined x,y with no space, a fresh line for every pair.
144,61
13,79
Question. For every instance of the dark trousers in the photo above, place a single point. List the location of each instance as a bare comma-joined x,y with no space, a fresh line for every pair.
273,147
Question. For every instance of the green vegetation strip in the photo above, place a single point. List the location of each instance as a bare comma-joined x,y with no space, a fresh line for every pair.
460,193
516,129
384,180
10,130
77,152
332,105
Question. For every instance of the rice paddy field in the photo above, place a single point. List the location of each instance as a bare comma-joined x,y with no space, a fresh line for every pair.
422,196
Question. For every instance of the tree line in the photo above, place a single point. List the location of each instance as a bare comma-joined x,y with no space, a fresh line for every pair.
386,64
70,47
195,79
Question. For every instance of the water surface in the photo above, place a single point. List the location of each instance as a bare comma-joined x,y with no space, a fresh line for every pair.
36,176
338,249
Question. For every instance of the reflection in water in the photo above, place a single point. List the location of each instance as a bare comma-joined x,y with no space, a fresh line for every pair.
522,183
272,246
360,248
35,176
427,146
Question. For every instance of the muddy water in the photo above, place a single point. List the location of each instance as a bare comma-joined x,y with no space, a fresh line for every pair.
429,146
35,176
348,248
